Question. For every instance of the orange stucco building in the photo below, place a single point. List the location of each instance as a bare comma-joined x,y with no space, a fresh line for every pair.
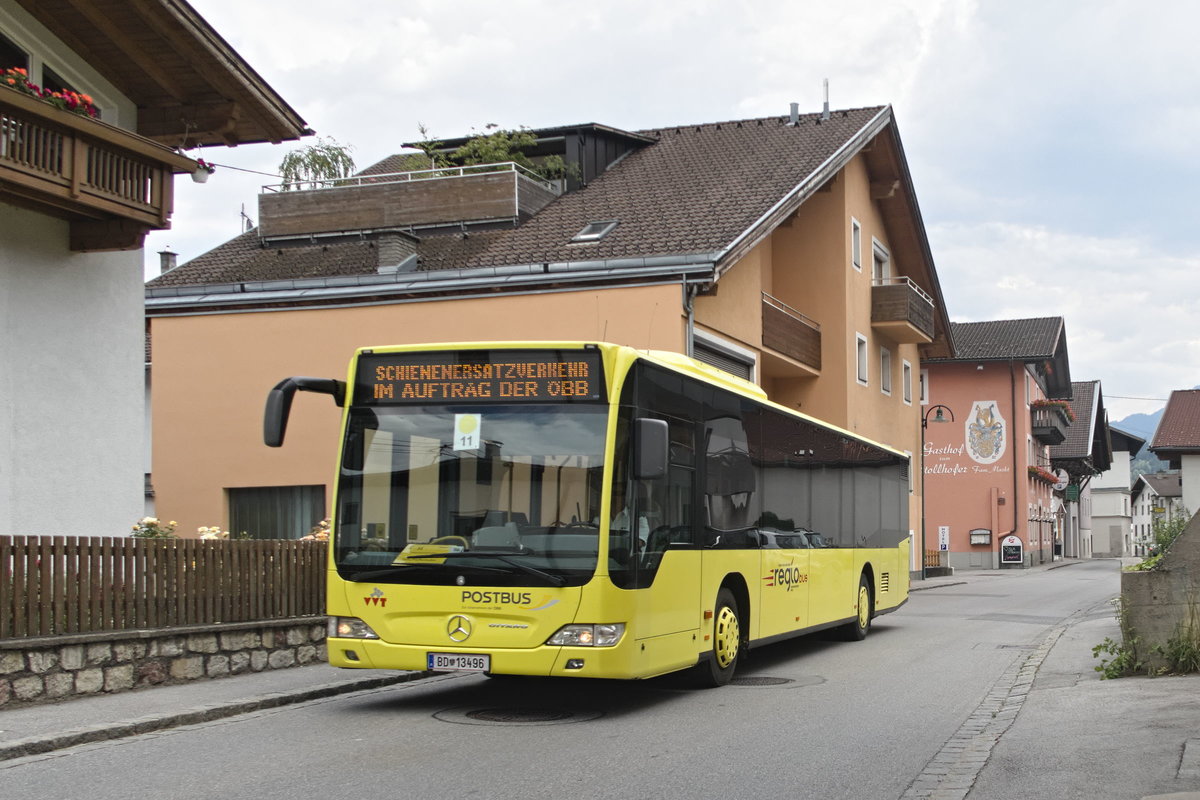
803,267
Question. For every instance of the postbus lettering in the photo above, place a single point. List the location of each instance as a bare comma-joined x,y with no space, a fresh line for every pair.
510,598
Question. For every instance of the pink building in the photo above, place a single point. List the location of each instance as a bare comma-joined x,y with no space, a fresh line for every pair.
990,415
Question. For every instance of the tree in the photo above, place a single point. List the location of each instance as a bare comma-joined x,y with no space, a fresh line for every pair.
497,146
324,161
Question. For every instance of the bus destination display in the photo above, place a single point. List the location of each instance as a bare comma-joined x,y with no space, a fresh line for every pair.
480,376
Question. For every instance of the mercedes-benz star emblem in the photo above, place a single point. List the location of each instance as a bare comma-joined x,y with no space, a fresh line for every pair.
459,628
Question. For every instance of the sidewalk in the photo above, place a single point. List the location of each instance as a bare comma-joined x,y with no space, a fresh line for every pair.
1077,736
52,726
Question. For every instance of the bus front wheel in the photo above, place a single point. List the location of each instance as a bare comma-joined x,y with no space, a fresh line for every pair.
856,630
717,669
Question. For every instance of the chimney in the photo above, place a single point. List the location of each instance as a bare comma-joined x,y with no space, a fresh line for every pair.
795,119
166,261
825,111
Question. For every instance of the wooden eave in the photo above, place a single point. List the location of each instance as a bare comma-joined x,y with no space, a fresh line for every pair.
893,193
191,88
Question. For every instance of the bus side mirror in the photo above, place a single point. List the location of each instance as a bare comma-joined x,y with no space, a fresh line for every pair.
651,440
279,403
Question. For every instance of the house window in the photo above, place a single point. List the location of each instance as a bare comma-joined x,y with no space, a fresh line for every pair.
11,55
906,379
862,358
881,268
924,387
53,82
856,244
275,512
885,370
723,355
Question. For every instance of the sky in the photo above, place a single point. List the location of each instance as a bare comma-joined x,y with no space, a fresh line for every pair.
1050,143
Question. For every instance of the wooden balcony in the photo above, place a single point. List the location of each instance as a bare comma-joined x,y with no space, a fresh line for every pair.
112,185
902,311
488,194
791,341
1049,424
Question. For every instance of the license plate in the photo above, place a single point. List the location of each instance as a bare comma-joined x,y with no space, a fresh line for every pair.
467,662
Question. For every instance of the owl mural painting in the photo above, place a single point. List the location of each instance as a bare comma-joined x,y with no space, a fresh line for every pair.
985,432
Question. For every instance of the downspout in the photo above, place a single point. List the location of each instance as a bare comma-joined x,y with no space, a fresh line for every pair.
1012,385
689,306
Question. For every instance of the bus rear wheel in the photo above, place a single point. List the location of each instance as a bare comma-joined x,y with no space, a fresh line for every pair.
721,661
857,630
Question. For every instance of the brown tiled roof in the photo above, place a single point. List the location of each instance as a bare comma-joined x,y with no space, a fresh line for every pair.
694,190
1004,339
1078,443
1088,443
1165,484
243,258
1179,428
1041,342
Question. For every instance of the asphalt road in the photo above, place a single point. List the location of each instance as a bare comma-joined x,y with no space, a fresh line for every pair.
809,718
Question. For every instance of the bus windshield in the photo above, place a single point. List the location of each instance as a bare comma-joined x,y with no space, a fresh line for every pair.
507,495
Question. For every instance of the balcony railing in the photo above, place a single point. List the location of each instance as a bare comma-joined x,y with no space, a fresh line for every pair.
1049,424
113,185
790,333
902,309
487,194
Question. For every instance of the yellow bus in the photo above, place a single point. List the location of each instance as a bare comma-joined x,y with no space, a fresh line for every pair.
592,510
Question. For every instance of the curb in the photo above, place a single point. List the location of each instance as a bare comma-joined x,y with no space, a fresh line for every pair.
36,745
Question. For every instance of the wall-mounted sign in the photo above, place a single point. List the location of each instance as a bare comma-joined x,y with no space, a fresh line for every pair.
981,536
985,432
943,537
1012,550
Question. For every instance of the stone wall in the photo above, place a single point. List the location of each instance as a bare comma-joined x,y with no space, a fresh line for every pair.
59,667
1163,603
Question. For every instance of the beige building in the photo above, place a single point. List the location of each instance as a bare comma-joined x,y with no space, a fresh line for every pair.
788,249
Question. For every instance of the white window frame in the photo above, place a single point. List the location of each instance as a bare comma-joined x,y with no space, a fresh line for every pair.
880,255
862,360
885,371
924,387
856,244
906,378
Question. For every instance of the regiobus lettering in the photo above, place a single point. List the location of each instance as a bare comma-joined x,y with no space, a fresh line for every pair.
590,510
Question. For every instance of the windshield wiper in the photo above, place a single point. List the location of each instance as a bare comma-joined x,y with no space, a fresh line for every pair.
397,569
556,580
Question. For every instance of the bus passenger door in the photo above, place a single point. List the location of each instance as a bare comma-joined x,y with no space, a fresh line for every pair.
783,584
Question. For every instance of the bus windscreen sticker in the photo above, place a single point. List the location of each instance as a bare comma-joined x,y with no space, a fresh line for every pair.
479,376
466,431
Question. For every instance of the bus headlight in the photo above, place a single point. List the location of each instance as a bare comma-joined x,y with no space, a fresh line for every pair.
588,635
350,628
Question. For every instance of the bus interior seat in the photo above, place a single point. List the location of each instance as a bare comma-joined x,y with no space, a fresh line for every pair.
499,536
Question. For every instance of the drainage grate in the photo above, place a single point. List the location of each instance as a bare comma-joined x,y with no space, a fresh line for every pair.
514,716
758,680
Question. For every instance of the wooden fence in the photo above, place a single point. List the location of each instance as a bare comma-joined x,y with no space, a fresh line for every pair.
51,585
935,558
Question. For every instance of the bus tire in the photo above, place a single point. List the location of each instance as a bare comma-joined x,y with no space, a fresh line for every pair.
858,629
718,666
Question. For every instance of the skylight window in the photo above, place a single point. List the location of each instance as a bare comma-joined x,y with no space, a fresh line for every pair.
595,231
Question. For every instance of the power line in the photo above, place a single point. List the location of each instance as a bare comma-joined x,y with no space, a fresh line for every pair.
1121,397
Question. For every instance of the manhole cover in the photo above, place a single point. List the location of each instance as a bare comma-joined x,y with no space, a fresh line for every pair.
514,716
758,680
